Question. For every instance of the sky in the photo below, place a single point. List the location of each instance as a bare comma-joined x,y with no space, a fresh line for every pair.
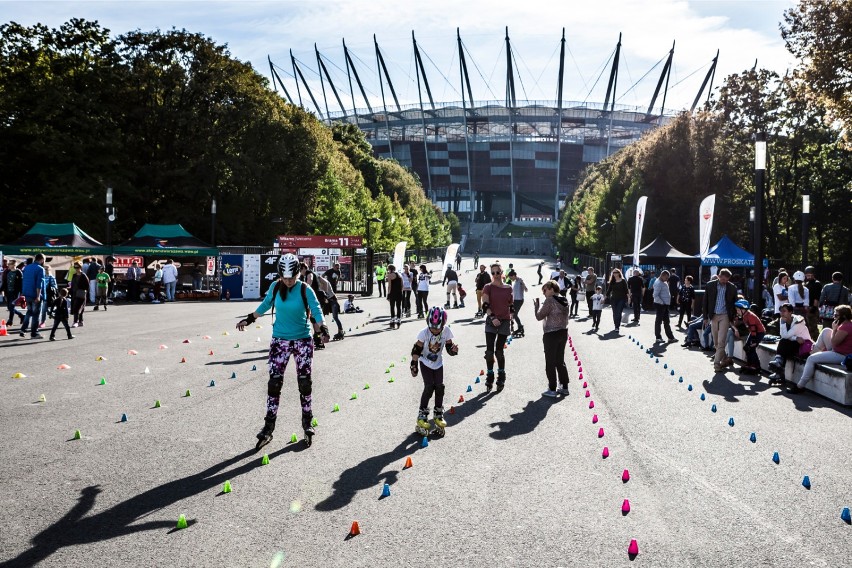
742,30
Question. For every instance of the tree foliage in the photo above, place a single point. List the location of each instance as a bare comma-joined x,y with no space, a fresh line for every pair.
171,121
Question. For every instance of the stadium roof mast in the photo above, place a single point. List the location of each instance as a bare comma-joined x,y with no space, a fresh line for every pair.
711,74
380,64
559,124
322,69
511,103
351,65
465,79
280,82
298,70
610,89
667,71
418,69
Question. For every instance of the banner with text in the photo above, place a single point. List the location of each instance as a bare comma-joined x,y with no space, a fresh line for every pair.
637,235
705,224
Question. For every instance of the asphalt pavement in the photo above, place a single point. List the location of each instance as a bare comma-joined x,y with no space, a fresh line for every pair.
518,480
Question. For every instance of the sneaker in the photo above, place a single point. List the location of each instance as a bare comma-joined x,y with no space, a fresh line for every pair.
659,340
550,393
96,308
75,324
156,302
23,334
794,389
81,324
52,338
563,390
36,336
70,336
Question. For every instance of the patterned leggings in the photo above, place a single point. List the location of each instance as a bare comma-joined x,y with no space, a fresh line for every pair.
279,355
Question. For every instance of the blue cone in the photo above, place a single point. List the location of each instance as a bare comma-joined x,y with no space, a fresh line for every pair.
212,383
254,367
666,366
651,355
469,388
753,438
775,458
680,380
731,421
672,374
713,408
233,375
689,388
124,418
702,396
386,490
425,442
845,516
657,361
806,482
477,380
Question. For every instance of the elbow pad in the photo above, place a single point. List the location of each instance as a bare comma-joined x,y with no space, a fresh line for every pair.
416,350
512,309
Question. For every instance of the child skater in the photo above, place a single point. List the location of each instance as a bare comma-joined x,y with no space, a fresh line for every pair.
435,337
60,314
597,307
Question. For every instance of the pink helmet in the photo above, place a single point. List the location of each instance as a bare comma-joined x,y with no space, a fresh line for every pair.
436,317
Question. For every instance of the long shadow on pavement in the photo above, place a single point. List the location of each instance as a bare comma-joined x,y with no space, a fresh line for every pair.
76,528
369,473
525,421
721,385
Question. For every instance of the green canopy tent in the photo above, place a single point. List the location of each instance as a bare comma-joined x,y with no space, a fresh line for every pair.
165,241
55,239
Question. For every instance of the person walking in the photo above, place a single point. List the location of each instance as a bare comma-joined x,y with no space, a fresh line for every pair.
79,290
60,314
674,287
394,296
13,279
475,259
381,272
423,278
32,285
435,338
158,283
518,289
170,277
590,282
407,278
573,290
50,293
482,278
458,260
497,305
554,314
451,280
298,310
636,285
598,300
836,342
718,311
92,274
618,294
540,265
132,277
662,301
686,295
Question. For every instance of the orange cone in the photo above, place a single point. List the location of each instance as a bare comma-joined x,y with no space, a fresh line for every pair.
461,398
408,463
481,372
211,352
452,409
183,359
355,530
3,330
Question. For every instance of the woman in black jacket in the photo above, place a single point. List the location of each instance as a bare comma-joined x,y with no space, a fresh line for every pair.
617,293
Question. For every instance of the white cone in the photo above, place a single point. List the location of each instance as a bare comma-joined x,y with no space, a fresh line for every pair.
147,371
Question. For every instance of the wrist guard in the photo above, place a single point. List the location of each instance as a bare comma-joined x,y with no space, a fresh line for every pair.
324,330
414,368
416,350
452,349
250,319
485,307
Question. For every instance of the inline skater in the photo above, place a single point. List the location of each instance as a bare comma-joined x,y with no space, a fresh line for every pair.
435,337
518,289
482,278
298,310
497,306
451,279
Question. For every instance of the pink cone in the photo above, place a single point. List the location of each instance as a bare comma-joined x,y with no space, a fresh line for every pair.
585,384
591,404
595,419
633,549
588,394
625,477
580,369
605,452
600,433
625,507
581,376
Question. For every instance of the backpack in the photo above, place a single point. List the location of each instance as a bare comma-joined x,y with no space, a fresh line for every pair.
277,290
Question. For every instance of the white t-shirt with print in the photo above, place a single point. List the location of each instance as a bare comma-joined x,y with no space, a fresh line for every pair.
433,346
423,281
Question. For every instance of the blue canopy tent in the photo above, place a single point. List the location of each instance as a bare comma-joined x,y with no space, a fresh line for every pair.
727,253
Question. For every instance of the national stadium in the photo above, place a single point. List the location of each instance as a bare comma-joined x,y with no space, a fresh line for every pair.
485,160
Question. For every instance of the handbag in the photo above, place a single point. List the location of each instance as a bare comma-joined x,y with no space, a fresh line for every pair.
826,311
805,348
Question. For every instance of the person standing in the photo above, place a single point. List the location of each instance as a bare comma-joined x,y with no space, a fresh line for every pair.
79,290
590,282
158,283
102,287
813,285
475,259
423,278
553,314
92,274
170,277
540,265
662,301
497,304
636,285
197,276
718,310
597,307
686,295
832,295
435,337
407,278
297,310
518,289
31,287
780,292
573,290
618,294
458,260
798,294
381,272
132,276
394,296
451,279
674,287
333,276
482,278
60,314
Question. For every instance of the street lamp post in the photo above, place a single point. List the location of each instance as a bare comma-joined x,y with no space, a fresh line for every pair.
110,211
759,182
369,271
213,223
806,214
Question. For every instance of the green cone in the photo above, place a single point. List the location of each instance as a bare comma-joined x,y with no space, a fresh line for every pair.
78,435
314,422
227,487
156,404
390,380
103,381
294,438
188,393
336,408
181,522
354,396
265,460
366,386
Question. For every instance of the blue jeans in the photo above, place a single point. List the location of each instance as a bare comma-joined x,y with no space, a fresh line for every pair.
170,291
32,317
617,311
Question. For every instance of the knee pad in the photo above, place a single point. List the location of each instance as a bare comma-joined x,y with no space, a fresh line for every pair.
274,385
304,384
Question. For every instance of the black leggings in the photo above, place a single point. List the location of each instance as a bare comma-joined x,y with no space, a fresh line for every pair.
422,303
494,344
433,382
517,307
395,307
554,357
406,301
685,309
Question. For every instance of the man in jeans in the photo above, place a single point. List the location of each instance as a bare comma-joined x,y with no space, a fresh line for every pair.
662,300
637,291
719,313
590,283
33,282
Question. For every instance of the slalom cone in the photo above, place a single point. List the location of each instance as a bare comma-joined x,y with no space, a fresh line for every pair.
776,458
211,352
236,346
469,388
233,375
386,490
294,438
205,337
594,419
187,341
226,488
665,365
366,386
600,433
64,367
390,380
625,476
588,394
625,507
424,443
181,524
78,435
689,388
42,398
147,371
265,460
806,482
124,417
225,333
713,408
183,359
752,438
476,381
633,548
408,463
19,376
336,408
100,358
702,397
3,330
157,404
605,452
132,352
314,422
672,374
591,404
254,367
846,516
481,372
452,409
212,383
585,384
187,393
163,346
354,396
731,421
354,530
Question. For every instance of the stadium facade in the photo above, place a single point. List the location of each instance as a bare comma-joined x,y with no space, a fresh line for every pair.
496,160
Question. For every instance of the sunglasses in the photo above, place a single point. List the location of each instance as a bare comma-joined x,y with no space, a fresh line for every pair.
497,273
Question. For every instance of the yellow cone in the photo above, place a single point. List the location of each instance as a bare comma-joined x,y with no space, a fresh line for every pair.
19,376
42,398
